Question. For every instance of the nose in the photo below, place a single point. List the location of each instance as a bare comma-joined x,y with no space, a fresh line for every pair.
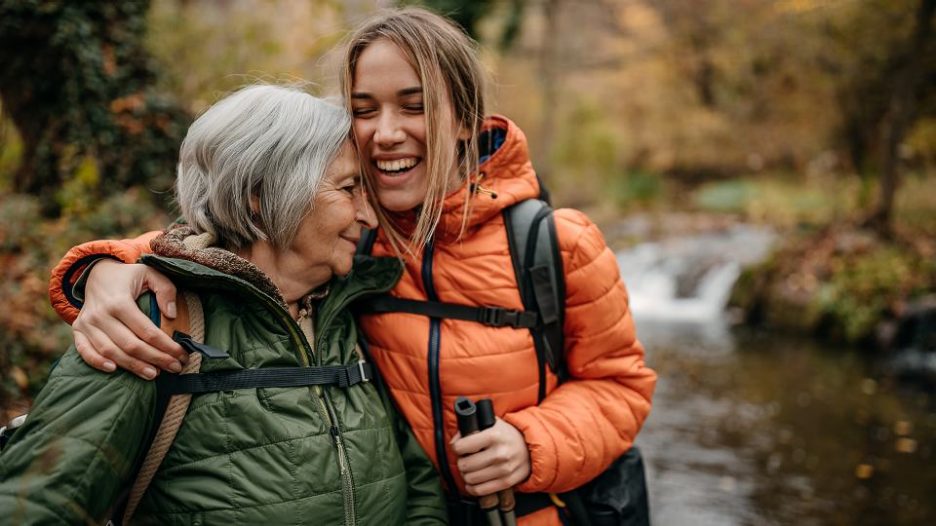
363,211
388,132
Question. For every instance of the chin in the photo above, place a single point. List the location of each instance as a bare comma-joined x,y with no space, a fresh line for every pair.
394,202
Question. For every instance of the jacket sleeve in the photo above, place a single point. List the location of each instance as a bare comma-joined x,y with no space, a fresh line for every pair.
77,451
582,426
67,272
425,501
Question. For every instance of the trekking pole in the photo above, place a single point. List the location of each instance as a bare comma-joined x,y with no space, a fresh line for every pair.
467,415
507,502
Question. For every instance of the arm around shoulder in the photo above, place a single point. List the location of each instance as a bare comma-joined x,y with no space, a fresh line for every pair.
76,260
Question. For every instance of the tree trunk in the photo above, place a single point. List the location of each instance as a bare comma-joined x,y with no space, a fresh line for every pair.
901,114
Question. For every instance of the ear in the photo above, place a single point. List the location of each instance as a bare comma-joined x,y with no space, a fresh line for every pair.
254,205
464,133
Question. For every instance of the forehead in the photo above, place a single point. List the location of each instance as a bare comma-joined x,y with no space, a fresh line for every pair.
383,63
345,164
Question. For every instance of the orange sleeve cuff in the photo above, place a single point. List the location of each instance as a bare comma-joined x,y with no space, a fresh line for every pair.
69,269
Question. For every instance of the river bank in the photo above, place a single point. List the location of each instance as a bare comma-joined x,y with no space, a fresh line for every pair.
758,424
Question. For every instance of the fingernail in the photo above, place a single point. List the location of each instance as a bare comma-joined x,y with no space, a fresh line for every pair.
149,373
110,366
170,309
175,367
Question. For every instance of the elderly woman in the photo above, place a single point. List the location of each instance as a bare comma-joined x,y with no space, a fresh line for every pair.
268,184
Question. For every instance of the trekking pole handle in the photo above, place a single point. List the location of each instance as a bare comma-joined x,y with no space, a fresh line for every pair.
505,497
467,414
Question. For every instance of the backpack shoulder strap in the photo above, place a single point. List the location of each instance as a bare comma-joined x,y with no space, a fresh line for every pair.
537,262
170,411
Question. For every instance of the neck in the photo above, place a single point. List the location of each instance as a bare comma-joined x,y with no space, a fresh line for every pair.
292,274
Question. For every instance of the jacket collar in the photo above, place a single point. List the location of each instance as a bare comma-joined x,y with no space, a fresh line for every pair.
213,268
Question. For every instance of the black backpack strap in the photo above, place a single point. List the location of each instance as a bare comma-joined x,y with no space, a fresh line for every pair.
534,251
340,375
490,316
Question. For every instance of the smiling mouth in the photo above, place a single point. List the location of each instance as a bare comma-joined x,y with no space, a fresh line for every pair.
396,166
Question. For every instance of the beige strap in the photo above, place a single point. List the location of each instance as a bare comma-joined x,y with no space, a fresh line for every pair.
190,314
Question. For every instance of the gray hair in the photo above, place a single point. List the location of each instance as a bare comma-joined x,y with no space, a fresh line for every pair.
272,143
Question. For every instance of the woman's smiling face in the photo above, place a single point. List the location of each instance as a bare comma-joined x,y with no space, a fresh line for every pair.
390,125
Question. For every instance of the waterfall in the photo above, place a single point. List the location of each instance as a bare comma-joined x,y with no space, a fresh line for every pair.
689,279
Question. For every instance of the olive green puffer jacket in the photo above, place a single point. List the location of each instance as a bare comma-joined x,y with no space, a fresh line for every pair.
322,455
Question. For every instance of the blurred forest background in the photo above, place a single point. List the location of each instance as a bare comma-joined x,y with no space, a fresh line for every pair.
817,117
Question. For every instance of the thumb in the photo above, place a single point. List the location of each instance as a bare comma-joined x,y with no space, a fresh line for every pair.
164,290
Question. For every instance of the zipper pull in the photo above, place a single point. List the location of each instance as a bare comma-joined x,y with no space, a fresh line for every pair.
476,188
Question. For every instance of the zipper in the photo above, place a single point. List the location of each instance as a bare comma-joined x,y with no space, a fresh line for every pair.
327,412
306,356
435,385
344,464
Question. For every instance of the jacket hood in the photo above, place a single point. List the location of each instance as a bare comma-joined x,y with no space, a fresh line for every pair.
505,177
182,242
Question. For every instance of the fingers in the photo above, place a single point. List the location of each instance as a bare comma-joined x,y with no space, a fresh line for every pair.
498,457
147,340
113,335
90,355
492,460
473,443
102,344
164,290
491,486
110,308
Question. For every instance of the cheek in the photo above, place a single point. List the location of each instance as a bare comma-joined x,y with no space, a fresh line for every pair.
361,130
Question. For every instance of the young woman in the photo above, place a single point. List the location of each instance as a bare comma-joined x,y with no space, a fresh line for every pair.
414,85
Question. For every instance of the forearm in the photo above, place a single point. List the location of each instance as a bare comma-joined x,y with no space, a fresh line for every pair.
67,271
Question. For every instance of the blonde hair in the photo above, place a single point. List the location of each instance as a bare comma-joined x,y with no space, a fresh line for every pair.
442,55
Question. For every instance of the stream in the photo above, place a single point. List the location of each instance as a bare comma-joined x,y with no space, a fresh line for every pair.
757,428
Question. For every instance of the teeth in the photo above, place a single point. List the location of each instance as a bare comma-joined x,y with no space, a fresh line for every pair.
397,164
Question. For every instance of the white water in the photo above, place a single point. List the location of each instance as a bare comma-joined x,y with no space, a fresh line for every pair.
689,279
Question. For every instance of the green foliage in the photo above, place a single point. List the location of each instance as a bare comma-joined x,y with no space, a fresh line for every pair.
31,334
727,196
839,282
870,287
76,81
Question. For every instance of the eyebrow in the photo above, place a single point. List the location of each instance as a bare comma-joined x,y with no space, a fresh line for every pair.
405,92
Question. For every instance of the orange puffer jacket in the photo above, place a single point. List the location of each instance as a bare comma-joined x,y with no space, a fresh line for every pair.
582,425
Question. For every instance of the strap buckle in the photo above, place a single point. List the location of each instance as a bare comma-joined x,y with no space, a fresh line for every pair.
346,377
363,371
498,316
